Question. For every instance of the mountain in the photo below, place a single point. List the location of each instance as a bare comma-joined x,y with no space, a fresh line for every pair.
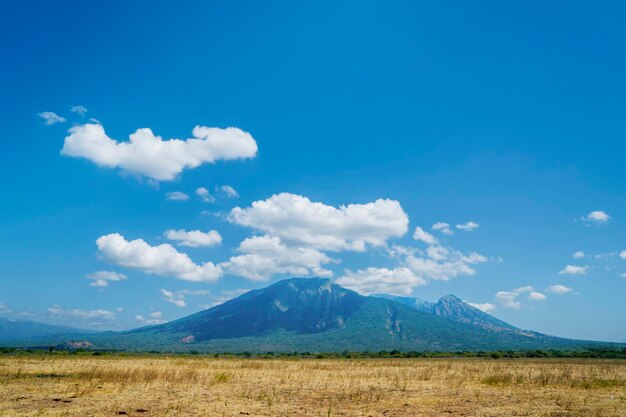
316,315
452,307
22,329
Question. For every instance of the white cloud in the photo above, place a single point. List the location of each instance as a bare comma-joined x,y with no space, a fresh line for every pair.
265,256
574,270
4,309
162,260
597,217
51,118
536,296
99,314
205,195
578,254
79,110
225,296
622,254
194,238
178,298
227,191
509,298
421,234
101,279
153,318
176,196
485,307
624,275
399,281
443,263
150,156
296,219
443,227
559,289
468,227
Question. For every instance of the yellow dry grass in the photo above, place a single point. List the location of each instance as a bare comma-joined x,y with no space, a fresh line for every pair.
50,385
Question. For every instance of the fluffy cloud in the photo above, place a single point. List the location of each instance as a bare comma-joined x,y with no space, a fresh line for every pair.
4,309
79,110
227,191
194,238
265,256
205,195
178,298
622,254
536,296
162,260
101,279
51,118
597,217
443,228
443,263
578,254
176,196
424,236
296,219
153,318
150,156
559,289
399,281
59,312
574,270
485,307
468,227
509,298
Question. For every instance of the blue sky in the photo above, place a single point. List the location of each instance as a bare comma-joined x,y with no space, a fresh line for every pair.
354,124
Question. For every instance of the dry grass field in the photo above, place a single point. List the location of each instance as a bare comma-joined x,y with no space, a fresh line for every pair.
197,386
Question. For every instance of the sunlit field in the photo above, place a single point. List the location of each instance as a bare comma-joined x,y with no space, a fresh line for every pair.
49,385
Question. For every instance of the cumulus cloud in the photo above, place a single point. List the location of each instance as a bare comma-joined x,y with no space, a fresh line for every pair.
227,191
399,281
264,256
536,296
153,318
194,238
150,156
574,270
443,227
597,217
424,236
443,263
622,254
559,289
51,118
4,309
205,195
296,219
468,227
578,254
79,109
176,196
59,312
101,279
178,298
509,298
163,260
485,307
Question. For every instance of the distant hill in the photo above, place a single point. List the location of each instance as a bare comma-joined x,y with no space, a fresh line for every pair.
22,329
316,315
452,307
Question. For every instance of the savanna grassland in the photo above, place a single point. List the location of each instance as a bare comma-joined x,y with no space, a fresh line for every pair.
109,385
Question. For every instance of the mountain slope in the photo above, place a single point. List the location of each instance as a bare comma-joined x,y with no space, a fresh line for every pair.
21,329
452,307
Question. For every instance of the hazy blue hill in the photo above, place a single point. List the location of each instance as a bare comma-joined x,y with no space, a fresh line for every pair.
21,329
317,315
452,307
